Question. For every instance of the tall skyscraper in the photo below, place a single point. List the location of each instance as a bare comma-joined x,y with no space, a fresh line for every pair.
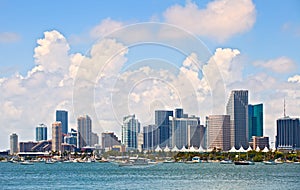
84,126
164,128
14,143
183,130
41,132
56,136
218,131
255,121
237,109
288,133
151,138
62,116
130,130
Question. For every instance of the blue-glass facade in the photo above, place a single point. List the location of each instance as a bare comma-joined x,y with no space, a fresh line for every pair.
255,121
41,132
62,116
130,130
164,128
288,133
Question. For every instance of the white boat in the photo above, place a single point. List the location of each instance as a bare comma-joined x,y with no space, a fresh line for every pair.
169,161
125,163
49,162
226,162
196,159
269,162
26,163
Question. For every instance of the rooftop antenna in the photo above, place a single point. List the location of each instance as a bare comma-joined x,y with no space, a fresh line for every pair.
284,107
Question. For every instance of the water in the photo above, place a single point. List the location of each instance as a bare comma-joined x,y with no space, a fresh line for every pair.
161,176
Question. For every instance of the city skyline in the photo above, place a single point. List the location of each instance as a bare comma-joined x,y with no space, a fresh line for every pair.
42,52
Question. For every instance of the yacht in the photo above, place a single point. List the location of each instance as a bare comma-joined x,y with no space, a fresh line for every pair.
245,162
226,162
26,163
270,162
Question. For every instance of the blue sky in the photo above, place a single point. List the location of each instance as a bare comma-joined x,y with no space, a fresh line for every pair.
268,48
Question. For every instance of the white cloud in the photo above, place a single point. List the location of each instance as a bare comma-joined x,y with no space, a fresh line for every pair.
105,27
294,79
9,37
220,20
279,65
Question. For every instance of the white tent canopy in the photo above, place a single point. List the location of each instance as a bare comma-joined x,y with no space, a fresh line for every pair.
232,149
257,149
158,149
175,149
249,149
201,149
241,149
265,149
183,149
167,149
192,149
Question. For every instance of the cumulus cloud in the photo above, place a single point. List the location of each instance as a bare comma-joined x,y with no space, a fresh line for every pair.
105,27
294,79
220,20
279,65
9,37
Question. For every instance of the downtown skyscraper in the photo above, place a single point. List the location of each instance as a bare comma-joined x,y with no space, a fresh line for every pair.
164,128
62,116
56,136
130,130
84,131
255,121
237,109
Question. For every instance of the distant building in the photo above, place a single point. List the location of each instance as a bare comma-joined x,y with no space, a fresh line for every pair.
84,126
108,140
27,146
62,116
41,132
71,138
164,128
14,143
56,136
41,146
130,130
182,130
237,109
218,131
288,133
255,121
140,141
94,139
150,137
260,142
196,136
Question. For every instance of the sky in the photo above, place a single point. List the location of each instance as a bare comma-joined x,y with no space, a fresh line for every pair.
113,58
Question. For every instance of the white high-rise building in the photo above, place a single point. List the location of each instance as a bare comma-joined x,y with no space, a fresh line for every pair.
14,143
130,131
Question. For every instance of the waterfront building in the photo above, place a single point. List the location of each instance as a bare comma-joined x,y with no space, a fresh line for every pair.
164,128
150,137
13,143
288,133
41,146
255,121
94,139
196,136
260,142
56,136
218,131
237,109
62,116
27,146
71,138
41,132
183,130
108,140
84,129
140,141
130,130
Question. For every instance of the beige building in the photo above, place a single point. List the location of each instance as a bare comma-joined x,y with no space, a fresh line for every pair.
218,131
56,136
14,143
